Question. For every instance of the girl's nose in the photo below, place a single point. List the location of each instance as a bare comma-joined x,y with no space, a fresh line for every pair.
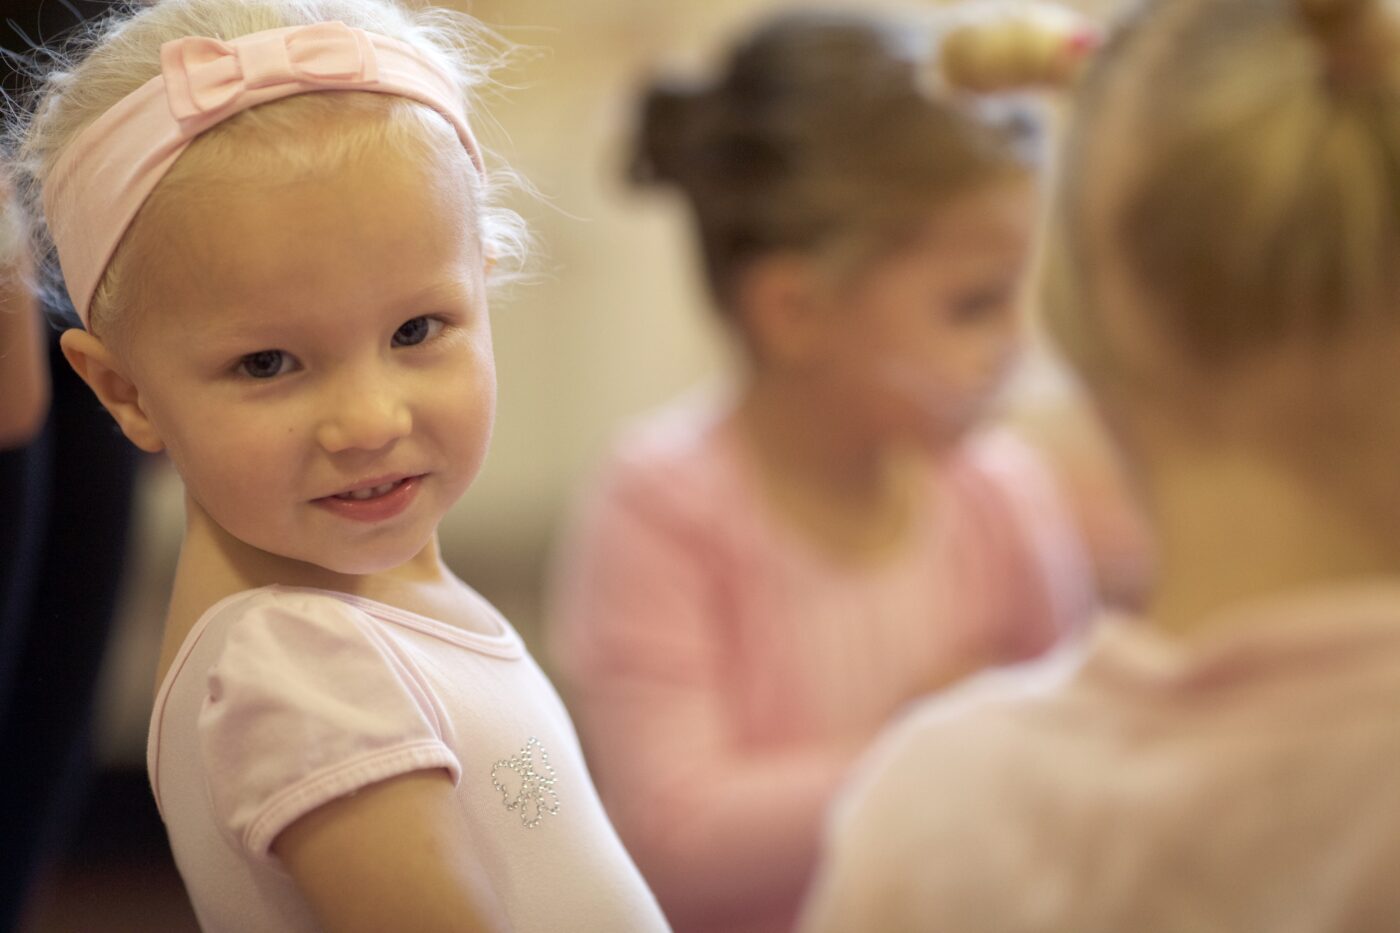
365,420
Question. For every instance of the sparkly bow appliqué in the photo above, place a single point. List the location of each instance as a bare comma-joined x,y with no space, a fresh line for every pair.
205,75
526,784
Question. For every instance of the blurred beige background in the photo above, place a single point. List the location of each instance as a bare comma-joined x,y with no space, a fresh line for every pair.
614,322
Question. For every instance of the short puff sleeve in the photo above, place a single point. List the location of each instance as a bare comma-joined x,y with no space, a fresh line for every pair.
309,702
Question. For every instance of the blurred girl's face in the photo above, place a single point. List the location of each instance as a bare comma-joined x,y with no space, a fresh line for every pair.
920,344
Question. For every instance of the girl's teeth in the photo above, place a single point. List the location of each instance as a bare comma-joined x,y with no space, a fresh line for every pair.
362,494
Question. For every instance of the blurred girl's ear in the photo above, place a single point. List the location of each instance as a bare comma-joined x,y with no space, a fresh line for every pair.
105,375
779,307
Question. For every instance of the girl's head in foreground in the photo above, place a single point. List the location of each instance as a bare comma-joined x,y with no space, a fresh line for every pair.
863,228
297,314
1229,243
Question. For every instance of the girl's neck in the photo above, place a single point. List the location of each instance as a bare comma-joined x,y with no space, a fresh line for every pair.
213,564
1232,528
851,496
228,562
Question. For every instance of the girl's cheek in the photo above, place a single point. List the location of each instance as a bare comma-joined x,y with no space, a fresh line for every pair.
922,387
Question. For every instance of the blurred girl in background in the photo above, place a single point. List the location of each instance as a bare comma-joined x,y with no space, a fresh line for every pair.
759,580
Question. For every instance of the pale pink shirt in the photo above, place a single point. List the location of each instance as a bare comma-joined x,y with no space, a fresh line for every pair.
1247,780
282,699
724,673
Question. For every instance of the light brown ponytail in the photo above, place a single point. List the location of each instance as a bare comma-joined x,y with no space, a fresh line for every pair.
1262,206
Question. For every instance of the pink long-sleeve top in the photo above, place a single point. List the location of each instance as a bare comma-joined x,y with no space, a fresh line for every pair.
724,672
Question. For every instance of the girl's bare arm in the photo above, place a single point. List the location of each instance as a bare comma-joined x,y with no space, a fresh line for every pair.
397,855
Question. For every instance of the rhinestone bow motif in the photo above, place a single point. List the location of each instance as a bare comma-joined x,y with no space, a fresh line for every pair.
534,796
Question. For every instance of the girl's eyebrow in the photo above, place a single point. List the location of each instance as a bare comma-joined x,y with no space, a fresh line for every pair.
238,327
454,289
279,322
455,296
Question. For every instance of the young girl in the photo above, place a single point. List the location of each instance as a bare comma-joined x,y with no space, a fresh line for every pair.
275,227
1228,286
759,581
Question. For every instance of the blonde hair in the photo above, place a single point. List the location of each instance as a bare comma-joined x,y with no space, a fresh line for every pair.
1263,203
117,55
826,131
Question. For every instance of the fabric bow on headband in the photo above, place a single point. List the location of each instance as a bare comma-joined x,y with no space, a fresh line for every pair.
104,176
206,75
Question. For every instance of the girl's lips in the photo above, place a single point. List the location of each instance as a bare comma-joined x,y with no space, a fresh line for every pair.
375,508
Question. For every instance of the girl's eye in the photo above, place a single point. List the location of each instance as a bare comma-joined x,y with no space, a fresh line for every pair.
265,364
415,331
977,306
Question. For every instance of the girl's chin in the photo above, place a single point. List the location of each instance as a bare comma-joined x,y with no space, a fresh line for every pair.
355,561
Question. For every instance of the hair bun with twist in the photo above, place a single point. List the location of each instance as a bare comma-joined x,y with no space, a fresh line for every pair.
1017,46
665,132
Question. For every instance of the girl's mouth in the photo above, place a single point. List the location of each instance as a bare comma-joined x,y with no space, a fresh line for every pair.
374,492
374,503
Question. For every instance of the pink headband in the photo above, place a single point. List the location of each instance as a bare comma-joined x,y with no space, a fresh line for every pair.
102,179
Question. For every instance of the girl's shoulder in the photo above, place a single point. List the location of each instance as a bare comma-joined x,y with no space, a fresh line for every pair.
687,429
996,471
1005,496
298,607
673,458
1000,456
327,618
970,754
266,627
1008,472
283,699
306,629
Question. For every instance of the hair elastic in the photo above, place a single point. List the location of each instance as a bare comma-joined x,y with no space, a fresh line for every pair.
102,178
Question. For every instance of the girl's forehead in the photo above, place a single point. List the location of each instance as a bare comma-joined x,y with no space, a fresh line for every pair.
304,137
999,215
1006,203
268,157
364,232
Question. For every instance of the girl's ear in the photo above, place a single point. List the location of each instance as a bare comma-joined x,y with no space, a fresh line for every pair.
91,360
781,310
